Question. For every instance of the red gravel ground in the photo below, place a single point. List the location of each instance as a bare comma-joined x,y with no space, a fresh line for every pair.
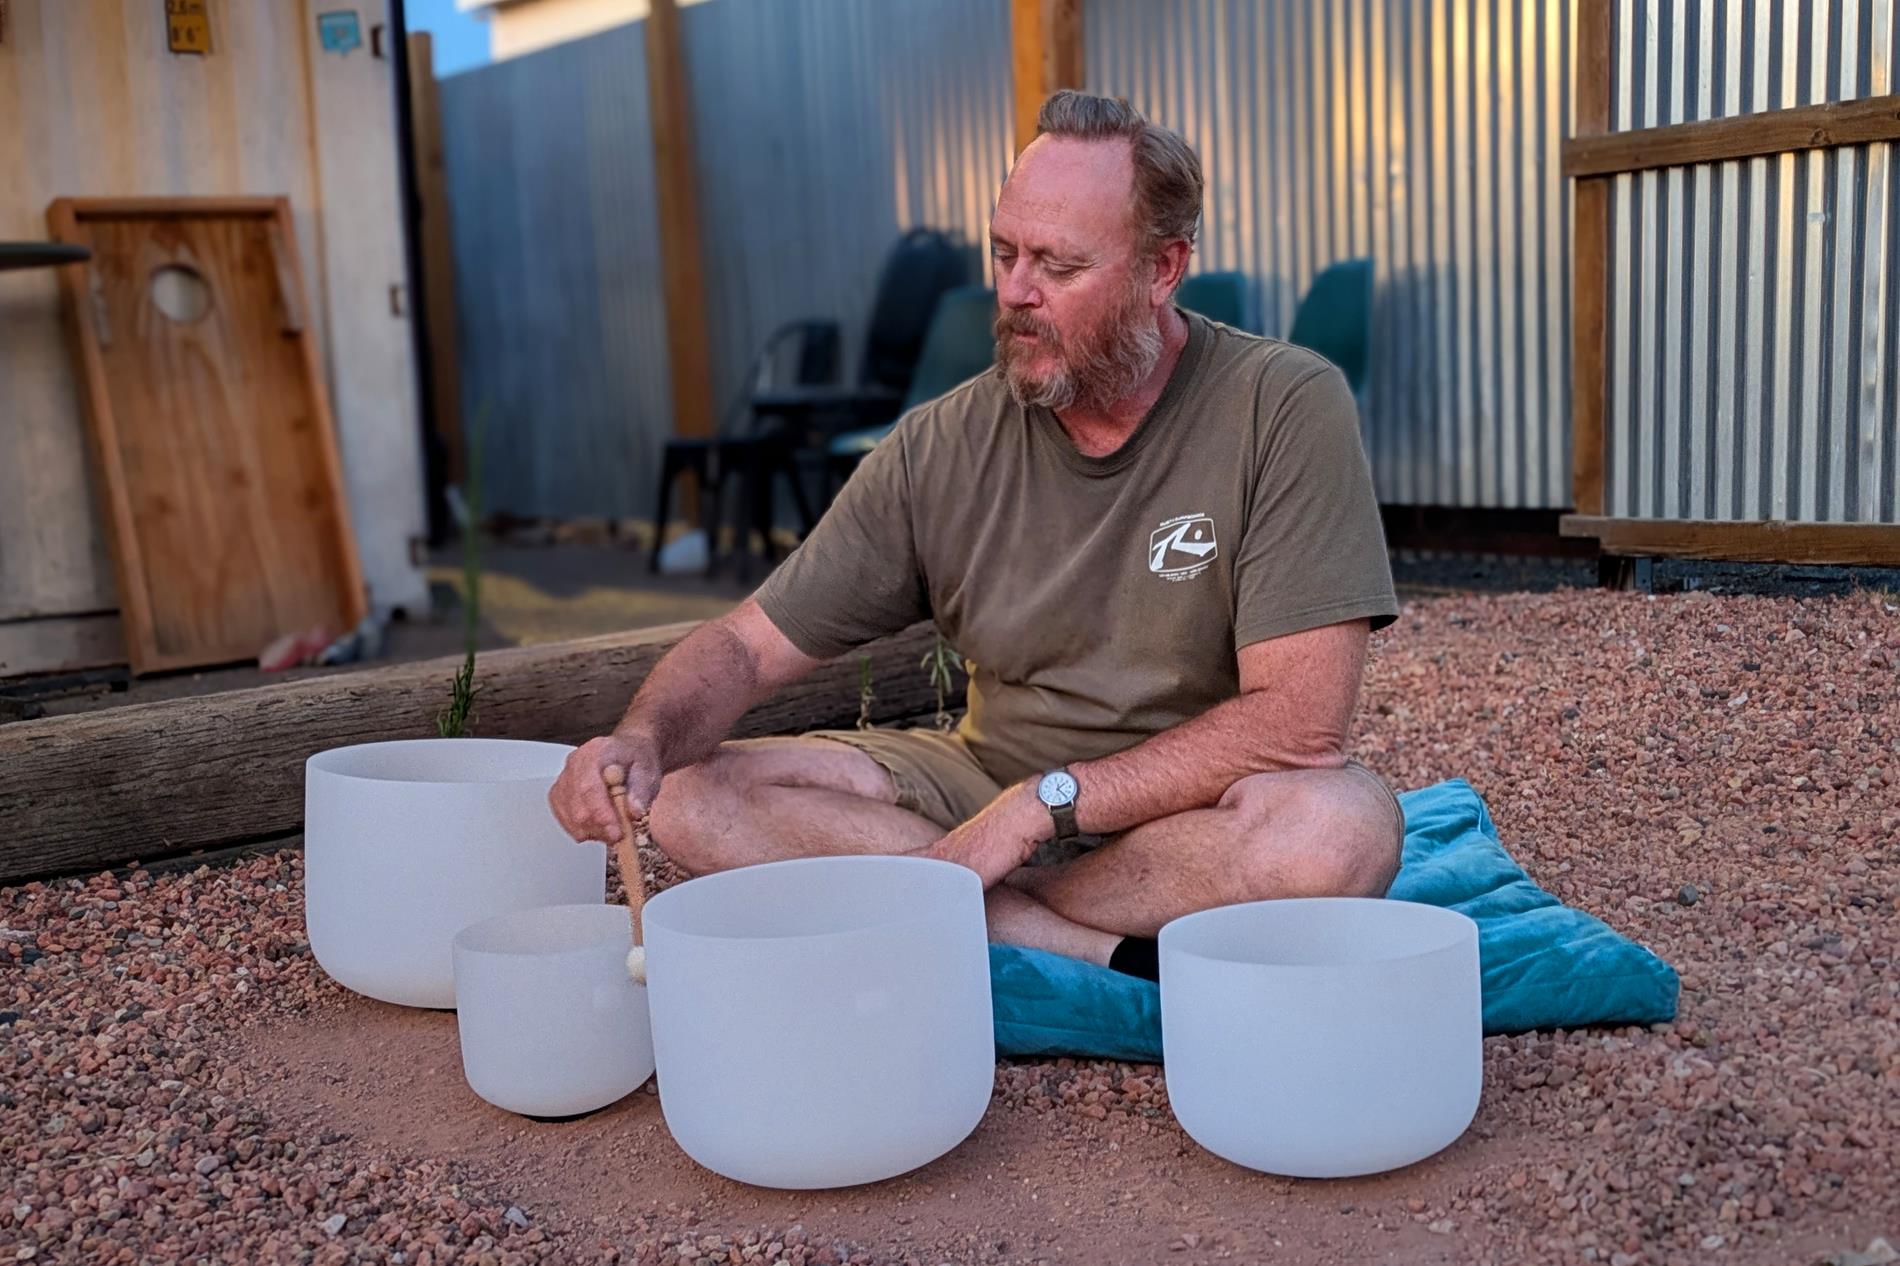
1715,776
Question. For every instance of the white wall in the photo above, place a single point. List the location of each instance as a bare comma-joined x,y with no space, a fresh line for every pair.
526,26
370,353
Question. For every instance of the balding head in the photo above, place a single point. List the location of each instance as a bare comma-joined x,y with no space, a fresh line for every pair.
1166,187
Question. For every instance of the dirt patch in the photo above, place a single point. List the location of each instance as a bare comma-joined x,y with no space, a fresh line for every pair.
1028,1185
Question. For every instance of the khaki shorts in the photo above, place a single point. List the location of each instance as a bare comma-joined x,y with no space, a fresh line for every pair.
938,779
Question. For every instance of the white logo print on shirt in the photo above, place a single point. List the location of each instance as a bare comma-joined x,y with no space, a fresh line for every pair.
1182,547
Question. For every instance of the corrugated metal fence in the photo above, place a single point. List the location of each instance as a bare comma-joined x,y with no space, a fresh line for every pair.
1756,305
561,320
823,129
1422,133
1755,327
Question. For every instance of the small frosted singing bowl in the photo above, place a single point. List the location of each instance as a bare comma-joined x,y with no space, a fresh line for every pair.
821,1022
407,843
550,1024
1322,1038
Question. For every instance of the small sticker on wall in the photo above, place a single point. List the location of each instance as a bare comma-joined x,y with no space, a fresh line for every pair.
187,26
340,30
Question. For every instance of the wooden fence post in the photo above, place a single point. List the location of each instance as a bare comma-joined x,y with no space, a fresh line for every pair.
1046,54
682,271
1590,317
437,254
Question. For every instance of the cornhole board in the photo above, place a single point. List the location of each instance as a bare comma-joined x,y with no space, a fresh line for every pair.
212,442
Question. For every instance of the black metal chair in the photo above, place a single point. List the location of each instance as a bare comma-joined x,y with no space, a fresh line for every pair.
923,264
960,345
789,426
714,460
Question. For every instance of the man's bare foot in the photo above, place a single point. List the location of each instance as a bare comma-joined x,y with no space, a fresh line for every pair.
1015,918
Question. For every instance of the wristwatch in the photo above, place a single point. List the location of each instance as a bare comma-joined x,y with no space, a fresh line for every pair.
1057,791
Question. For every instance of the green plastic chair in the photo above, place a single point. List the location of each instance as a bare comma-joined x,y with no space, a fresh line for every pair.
960,344
1335,318
1217,296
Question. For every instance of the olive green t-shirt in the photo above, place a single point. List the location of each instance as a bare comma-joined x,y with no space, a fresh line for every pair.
1099,600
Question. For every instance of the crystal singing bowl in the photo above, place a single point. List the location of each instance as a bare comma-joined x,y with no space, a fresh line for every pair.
1325,1037
407,843
821,1022
551,1025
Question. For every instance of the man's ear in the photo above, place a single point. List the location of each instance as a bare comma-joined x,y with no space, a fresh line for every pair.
1171,263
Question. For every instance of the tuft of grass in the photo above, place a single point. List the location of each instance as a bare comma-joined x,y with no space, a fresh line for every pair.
865,694
458,720
940,662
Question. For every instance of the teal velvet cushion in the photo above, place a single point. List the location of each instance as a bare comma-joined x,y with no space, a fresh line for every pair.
1543,964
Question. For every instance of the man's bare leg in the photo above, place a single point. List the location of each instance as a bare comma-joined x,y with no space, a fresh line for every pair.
781,798
778,798
1304,833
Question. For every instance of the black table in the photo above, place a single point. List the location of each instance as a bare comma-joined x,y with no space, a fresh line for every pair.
40,255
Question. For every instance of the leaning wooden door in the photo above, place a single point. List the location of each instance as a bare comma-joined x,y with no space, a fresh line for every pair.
210,429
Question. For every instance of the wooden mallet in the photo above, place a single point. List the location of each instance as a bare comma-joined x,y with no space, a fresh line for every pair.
633,829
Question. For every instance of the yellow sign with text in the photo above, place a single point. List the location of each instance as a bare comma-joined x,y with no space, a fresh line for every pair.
187,26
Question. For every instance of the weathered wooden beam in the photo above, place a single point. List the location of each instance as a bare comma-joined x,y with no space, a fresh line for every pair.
146,780
1045,55
1774,541
1858,122
676,188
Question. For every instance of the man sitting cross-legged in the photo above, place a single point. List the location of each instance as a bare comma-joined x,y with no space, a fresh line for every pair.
1153,538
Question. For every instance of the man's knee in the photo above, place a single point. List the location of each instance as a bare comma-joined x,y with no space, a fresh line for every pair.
1315,833
687,819
705,818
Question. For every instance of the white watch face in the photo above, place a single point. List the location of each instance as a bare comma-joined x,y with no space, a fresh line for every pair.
1057,788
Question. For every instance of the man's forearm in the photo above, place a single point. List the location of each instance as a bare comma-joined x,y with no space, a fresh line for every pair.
1191,765
690,701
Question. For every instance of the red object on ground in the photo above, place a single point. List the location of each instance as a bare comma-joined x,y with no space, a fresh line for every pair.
293,650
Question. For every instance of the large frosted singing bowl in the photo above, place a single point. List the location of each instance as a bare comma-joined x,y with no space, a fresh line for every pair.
1322,1038
551,1026
407,843
821,1022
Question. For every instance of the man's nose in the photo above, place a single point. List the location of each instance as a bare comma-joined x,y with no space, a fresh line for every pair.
1014,288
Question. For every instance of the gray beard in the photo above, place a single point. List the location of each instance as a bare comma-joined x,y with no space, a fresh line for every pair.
1103,376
